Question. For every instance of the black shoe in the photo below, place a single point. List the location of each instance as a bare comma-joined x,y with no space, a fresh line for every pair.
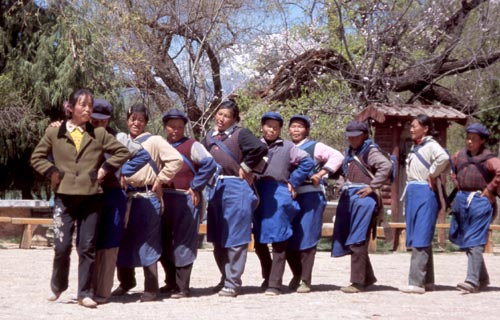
272,292
180,295
294,283
148,296
168,289
467,287
483,284
264,284
120,291
100,300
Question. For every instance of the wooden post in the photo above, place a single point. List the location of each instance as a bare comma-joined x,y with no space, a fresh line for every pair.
372,245
251,243
402,240
26,240
441,126
395,214
488,248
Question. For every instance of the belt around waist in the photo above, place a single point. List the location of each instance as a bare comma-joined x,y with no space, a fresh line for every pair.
228,177
175,191
418,182
139,189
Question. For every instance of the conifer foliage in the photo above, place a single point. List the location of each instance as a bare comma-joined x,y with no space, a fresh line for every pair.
43,58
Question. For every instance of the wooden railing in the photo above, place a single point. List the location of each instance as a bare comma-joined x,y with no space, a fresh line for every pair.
398,228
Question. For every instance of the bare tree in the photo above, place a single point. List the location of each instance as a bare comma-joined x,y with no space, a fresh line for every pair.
170,50
401,51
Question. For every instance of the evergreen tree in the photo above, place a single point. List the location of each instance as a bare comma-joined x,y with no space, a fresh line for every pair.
43,58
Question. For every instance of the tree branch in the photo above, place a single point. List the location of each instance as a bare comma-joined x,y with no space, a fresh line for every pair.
453,27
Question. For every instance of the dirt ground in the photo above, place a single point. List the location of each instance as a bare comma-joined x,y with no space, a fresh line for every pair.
25,274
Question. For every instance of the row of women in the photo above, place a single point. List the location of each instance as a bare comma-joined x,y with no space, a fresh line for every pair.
136,199
475,173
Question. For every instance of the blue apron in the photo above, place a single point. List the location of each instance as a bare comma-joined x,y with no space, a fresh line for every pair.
421,210
112,218
307,224
141,242
182,219
229,214
469,223
276,210
352,220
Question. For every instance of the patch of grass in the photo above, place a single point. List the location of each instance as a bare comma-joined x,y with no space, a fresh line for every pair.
5,243
495,237
324,244
16,239
383,247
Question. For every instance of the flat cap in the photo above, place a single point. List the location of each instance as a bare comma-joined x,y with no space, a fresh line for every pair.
174,114
102,109
479,129
272,116
300,117
355,128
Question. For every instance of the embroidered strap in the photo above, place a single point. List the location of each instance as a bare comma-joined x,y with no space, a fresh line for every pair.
222,146
151,161
184,158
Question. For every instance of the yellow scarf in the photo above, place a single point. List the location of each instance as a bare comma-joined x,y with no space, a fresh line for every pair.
77,135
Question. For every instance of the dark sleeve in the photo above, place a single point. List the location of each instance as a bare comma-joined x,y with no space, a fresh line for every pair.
205,172
205,140
40,157
382,166
493,166
252,148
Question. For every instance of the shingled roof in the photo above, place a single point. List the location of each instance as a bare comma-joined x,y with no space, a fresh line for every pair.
380,112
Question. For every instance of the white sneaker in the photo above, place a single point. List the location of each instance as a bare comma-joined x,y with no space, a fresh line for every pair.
412,289
53,296
87,302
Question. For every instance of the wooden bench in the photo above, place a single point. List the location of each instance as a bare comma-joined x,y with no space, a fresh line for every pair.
400,228
30,225
5,219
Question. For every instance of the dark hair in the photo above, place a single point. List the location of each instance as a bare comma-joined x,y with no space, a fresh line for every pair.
75,95
231,104
138,108
426,121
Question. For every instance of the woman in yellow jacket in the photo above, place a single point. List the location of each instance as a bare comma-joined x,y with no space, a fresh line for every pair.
72,156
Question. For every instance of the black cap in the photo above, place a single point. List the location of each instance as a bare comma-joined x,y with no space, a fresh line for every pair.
102,109
303,118
174,114
355,128
273,116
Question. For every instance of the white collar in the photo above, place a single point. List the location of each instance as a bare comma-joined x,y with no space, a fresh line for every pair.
70,126
227,132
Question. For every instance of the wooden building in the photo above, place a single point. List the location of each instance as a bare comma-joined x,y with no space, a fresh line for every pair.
391,127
